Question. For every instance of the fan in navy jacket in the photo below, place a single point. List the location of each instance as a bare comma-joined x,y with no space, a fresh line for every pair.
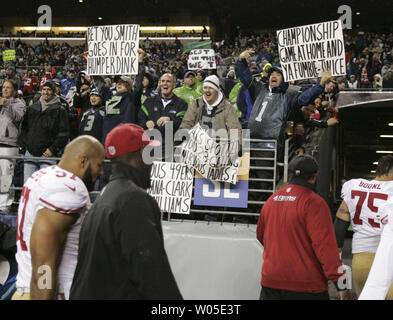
92,120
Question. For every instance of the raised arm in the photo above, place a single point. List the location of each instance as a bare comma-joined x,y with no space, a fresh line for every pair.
243,72
312,93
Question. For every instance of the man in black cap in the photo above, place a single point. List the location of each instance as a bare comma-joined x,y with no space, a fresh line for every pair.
300,250
45,130
274,102
123,107
189,91
11,75
121,248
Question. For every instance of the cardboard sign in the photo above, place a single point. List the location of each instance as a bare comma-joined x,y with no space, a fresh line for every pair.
113,50
202,59
214,161
305,52
9,55
171,186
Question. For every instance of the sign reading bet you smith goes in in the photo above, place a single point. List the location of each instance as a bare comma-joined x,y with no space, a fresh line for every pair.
113,50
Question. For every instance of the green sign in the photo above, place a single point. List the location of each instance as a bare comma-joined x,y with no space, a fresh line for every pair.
198,45
9,55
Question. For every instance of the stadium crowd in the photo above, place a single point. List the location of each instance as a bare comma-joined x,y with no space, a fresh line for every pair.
48,100
369,65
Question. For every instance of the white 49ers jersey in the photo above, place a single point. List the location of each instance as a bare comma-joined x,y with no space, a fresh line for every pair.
57,190
367,202
380,277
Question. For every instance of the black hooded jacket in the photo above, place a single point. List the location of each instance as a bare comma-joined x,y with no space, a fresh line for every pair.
121,246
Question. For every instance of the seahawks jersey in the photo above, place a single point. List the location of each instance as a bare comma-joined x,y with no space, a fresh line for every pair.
92,122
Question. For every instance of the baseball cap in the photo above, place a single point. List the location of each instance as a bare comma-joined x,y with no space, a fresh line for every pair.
126,79
303,164
189,73
276,69
95,92
50,84
127,138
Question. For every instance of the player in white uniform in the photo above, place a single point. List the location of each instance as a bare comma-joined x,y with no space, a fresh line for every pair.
380,278
53,204
365,204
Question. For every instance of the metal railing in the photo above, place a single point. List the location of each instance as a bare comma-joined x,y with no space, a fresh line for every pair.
289,153
260,188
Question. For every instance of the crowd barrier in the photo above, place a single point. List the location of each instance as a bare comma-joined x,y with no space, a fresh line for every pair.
260,186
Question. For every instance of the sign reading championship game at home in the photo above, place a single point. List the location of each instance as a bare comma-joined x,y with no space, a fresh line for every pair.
113,50
171,186
202,59
305,52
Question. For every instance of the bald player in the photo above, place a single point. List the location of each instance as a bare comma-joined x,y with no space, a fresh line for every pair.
53,204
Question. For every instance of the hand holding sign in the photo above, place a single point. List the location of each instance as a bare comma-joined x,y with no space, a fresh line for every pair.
161,122
326,77
246,54
141,55
150,125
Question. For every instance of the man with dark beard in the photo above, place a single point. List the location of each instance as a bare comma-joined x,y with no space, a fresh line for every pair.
52,207
121,248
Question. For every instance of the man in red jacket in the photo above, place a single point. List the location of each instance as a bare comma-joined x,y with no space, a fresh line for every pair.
300,249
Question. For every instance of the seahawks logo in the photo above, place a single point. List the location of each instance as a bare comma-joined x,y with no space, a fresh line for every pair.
112,105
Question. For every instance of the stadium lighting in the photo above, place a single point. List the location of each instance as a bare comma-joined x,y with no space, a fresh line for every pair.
152,28
386,136
196,28
37,28
384,151
390,124
73,28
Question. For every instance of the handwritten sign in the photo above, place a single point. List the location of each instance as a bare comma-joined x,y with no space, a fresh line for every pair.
171,186
214,193
202,59
214,161
305,52
113,50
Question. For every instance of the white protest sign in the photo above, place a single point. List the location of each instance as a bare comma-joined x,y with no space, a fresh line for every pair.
214,161
171,186
202,59
305,52
113,50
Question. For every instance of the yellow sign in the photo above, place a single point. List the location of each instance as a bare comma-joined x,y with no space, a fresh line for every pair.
9,55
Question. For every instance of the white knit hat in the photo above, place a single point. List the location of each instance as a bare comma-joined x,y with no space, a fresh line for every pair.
213,82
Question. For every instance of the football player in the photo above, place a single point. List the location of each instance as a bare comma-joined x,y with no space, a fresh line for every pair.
365,205
53,204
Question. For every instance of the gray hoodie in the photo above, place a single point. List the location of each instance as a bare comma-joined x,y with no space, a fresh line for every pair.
45,105
11,114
